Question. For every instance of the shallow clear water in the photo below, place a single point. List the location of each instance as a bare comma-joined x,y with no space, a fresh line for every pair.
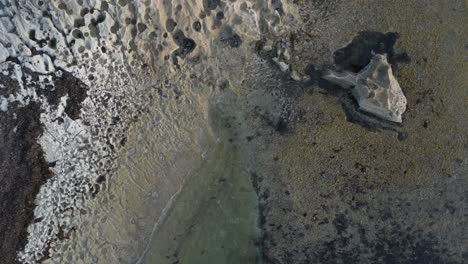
213,219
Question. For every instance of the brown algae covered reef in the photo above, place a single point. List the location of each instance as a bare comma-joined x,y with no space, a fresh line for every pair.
202,131
360,191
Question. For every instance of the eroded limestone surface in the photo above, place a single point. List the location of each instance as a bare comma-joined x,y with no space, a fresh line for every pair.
90,69
375,88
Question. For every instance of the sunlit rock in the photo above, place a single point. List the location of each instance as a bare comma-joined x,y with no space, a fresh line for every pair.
375,89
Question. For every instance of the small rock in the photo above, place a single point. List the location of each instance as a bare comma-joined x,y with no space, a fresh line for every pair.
282,65
375,88
268,45
295,76
287,54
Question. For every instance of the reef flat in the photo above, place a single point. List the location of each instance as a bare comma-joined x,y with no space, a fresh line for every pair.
203,131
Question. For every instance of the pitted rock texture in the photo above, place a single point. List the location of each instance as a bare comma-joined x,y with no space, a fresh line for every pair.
89,67
375,88
100,78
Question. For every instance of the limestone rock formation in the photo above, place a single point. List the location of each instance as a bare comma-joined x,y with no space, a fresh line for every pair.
375,88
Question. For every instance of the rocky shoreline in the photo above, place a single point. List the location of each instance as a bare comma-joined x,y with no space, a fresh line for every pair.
109,108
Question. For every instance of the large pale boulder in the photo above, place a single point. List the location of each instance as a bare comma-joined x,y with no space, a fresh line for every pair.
375,88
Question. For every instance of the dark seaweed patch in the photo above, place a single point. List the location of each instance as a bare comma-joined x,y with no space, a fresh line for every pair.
220,15
141,27
84,11
79,22
77,34
104,6
391,245
186,46
278,6
10,86
66,84
101,179
196,26
281,126
32,35
52,43
261,243
229,37
211,4
23,170
170,24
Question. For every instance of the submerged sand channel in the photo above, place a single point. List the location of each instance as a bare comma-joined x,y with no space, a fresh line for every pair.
214,219
182,191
